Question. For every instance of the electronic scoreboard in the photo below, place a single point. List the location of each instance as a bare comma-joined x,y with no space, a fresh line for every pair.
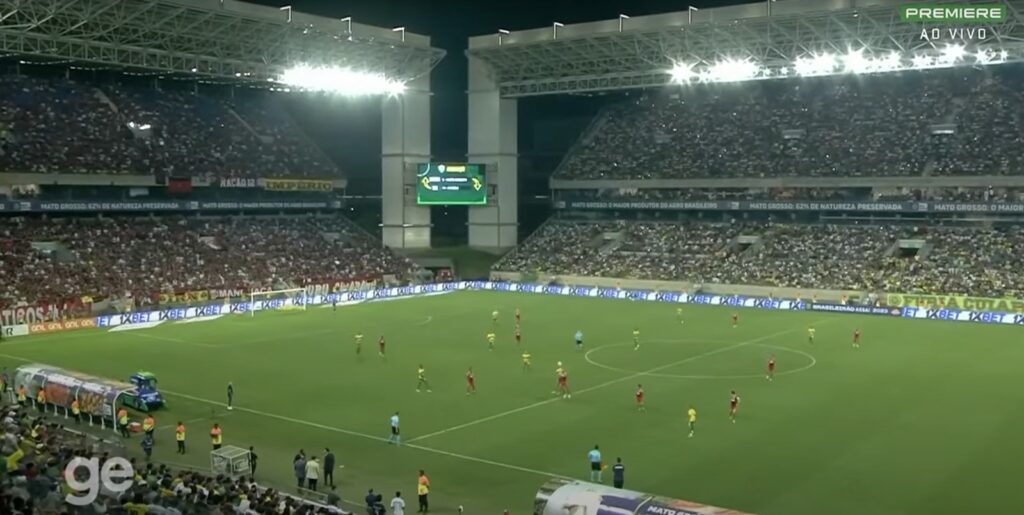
450,183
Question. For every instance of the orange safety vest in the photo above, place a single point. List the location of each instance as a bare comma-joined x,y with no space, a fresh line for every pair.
148,424
179,433
74,407
215,435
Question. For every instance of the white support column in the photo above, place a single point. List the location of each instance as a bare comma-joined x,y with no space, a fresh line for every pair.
405,141
493,141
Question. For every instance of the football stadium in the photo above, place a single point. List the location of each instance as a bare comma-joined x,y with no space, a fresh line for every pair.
723,258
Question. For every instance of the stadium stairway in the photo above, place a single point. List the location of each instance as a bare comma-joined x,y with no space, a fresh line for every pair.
106,100
266,140
610,241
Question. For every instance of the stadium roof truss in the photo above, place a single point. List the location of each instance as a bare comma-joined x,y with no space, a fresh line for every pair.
636,53
223,39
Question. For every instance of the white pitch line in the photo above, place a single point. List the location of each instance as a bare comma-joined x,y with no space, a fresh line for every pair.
602,385
187,422
370,437
349,432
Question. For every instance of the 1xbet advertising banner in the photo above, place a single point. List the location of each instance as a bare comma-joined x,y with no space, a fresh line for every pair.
349,297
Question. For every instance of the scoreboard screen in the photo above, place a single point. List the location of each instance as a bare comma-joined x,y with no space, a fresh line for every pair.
450,183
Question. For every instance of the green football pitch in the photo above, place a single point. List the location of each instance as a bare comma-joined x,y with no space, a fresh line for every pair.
923,418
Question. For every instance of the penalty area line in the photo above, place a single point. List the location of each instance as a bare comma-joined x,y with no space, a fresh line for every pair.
605,384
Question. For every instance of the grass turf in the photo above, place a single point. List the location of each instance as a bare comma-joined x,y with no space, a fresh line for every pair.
922,419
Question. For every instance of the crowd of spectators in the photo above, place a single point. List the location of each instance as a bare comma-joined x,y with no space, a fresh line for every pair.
802,256
46,260
971,261
818,194
638,250
50,125
887,125
962,261
38,450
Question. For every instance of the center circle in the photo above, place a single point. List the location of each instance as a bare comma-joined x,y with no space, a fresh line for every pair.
810,363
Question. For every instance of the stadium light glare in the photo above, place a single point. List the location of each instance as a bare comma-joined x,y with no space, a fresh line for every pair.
732,70
341,81
891,62
951,54
922,62
855,62
682,73
984,56
815,65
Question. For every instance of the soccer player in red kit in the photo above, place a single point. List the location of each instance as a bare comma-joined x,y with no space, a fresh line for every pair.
856,338
563,383
734,404
470,381
640,398
380,345
771,368
735,320
518,334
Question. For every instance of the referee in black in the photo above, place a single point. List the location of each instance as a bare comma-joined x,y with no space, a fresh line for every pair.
618,473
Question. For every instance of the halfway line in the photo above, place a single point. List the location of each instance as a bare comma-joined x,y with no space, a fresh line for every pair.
602,385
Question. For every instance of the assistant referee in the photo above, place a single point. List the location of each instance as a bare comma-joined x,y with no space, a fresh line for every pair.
594,456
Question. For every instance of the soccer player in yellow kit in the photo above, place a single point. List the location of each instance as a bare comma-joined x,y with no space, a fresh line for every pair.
636,338
810,335
691,415
359,342
526,360
490,340
421,381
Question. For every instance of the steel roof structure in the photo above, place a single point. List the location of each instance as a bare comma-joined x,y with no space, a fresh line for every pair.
637,52
222,39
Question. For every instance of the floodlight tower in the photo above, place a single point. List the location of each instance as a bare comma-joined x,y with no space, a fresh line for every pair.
493,141
405,141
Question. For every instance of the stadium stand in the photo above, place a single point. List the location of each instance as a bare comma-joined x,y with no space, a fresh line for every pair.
38,449
888,125
637,250
63,126
121,258
838,194
970,261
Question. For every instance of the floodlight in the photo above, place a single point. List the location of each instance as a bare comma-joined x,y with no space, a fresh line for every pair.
732,70
984,56
815,65
922,61
342,81
855,62
682,73
952,53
